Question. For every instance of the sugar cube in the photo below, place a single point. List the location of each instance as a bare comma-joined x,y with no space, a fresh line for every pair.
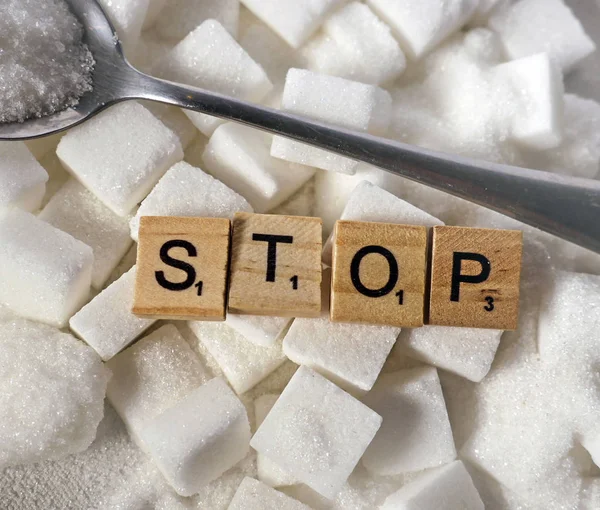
175,120
316,432
368,202
199,438
537,87
188,191
45,273
22,178
244,363
357,45
420,25
106,322
416,432
335,101
152,375
240,157
446,488
254,495
183,16
468,352
579,152
269,472
262,330
120,154
556,31
210,58
294,21
127,16
339,351
76,211
51,393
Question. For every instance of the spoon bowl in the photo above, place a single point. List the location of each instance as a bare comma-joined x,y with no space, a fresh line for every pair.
564,206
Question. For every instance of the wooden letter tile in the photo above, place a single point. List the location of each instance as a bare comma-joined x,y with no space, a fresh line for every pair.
182,268
378,273
475,277
276,265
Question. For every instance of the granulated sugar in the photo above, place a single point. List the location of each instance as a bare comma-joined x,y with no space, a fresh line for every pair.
44,66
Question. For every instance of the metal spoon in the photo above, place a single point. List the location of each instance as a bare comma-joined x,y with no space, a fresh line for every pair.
565,206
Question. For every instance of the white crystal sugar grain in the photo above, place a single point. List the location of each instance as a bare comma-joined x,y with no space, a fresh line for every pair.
44,66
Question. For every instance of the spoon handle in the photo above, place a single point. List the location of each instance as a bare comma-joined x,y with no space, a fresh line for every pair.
567,207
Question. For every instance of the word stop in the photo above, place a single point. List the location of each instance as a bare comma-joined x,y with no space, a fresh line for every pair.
196,268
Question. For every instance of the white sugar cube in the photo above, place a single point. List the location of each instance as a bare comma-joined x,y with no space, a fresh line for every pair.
175,120
244,363
254,495
188,191
22,178
152,375
183,16
357,45
420,25
579,152
468,352
368,202
416,432
240,157
269,472
536,86
76,211
528,27
262,330
51,393
335,101
294,21
316,432
446,488
210,58
120,154
106,322
127,16
45,273
199,438
340,351
270,51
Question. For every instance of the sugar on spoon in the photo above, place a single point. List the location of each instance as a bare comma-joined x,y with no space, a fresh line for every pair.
567,207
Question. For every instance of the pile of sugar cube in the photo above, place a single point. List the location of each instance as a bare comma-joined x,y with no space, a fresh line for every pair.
100,408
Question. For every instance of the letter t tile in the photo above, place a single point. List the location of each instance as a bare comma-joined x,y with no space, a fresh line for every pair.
276,265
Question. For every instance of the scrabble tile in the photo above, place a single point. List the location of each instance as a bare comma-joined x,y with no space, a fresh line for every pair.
276,265
378,273
182,268
475,276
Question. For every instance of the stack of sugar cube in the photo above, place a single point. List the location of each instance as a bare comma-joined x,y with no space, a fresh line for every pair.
261,412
